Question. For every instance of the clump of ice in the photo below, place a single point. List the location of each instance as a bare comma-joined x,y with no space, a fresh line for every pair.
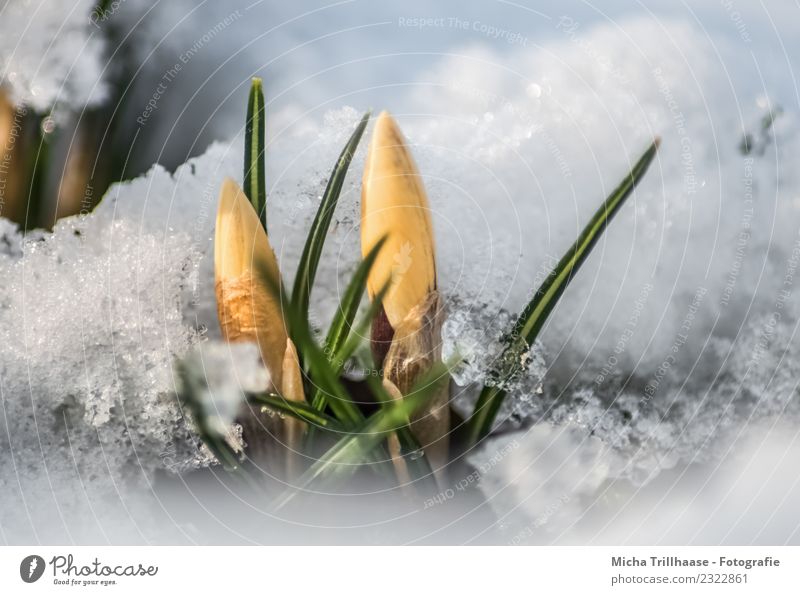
93,317
50,52
475,343
218,375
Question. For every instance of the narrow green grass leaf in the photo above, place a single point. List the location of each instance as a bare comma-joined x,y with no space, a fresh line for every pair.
533,317
361,329
338,357
255,179
342,323
323,374
298,410
331,388
348,307
352,450
307,269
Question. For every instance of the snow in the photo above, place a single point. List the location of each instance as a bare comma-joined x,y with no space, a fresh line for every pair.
675,339
555,485
219,374
90,325
543,478
50,52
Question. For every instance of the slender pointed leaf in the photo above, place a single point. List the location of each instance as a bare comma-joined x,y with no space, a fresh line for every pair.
327,380
255,184
340,356
346,351
307,269
342,322
323,374
533,317
361,329
352,450
298,410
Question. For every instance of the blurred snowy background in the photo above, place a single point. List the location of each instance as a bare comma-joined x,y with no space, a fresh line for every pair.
664,405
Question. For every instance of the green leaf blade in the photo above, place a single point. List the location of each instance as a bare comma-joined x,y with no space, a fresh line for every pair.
342,323
312,251
344,457
348,307
255,185
535,314
324,375
331,388
298,410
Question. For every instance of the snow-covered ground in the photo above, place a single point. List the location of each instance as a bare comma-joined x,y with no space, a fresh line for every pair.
663,402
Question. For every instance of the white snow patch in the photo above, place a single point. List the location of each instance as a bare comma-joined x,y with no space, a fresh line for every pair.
560,486
223,373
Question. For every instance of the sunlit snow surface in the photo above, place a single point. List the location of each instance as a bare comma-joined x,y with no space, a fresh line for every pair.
676,339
